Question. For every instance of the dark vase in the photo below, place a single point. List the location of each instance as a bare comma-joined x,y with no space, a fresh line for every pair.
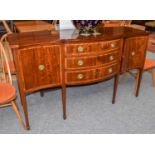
87,27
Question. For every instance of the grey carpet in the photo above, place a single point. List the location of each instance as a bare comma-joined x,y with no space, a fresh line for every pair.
89,110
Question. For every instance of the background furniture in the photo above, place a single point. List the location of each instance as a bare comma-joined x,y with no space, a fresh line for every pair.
30,26
116,23
7,90
64,58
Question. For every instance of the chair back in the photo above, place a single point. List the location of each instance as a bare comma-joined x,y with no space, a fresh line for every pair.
7,47
5,74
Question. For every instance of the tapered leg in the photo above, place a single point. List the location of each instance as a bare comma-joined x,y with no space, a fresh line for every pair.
24,104
16,109
41,93
138,82
64,101
115,88
153,77
137,79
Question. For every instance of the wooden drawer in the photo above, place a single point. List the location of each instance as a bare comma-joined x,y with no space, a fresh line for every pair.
86,76
110,57
107,71
87,48
80,62
83,76
85,62
40,66
109,45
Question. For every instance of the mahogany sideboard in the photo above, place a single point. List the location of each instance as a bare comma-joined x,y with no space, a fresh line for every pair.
49,59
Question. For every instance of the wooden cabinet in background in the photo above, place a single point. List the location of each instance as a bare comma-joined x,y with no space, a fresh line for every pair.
48,59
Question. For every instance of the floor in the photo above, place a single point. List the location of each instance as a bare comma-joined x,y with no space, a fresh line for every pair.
89,110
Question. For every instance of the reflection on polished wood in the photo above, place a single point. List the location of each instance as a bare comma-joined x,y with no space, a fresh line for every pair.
61,58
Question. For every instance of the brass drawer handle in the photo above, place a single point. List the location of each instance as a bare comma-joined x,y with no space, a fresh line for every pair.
41,67
112,45
80,62
80,76
133,53
110,70
111,57
80,49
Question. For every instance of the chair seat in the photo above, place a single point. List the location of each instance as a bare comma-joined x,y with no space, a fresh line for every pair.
149,64
7,93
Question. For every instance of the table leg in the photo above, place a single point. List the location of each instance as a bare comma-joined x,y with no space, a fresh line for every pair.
42,93
116,78
153,77
138,82
24,104
64,101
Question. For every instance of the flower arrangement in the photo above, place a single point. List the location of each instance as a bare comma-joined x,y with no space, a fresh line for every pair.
87,27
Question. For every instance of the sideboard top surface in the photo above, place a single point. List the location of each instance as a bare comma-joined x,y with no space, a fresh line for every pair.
19,40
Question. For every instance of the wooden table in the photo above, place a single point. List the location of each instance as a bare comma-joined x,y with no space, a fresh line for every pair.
45,59
30,26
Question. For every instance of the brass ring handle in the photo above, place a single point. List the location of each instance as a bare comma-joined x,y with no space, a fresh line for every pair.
112,45
111,57
110,70
41,67
133,53
80,76
80,49
80,62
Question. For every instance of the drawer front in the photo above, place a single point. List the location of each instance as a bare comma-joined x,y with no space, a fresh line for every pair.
83,62
135,51
83,76
87,48
40,66
109,45
86,76
108,71
108,58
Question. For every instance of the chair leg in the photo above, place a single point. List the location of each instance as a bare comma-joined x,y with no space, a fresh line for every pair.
153,77
16,109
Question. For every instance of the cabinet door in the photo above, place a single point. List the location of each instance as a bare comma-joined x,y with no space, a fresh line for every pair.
134,53
40,66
